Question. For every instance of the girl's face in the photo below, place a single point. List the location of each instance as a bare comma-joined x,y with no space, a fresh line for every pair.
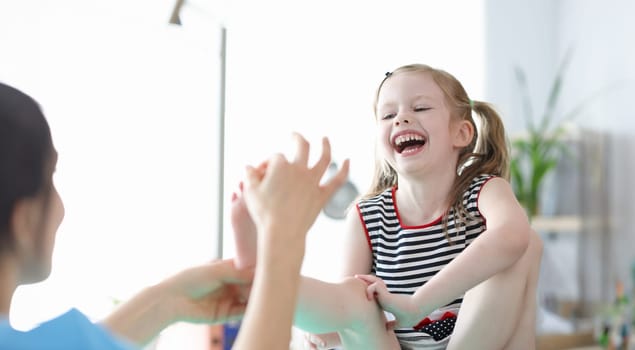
415,132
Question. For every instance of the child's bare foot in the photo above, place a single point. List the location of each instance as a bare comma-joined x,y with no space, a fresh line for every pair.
245,231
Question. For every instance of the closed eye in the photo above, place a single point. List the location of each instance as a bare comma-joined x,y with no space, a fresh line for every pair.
421,109
388,116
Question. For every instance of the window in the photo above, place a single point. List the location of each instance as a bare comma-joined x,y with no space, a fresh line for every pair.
133,109
133,106
316,72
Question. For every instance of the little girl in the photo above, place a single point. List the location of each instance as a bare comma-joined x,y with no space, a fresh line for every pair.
440,240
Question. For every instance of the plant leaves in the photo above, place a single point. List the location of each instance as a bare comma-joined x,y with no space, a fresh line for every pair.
554,93
528,112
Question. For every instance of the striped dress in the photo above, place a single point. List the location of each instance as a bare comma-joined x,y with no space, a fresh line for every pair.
406,257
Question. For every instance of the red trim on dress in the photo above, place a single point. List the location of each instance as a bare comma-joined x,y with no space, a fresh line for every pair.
477,197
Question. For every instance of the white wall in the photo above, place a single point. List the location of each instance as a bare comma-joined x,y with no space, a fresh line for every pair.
537,34
314,67
519,34
603,34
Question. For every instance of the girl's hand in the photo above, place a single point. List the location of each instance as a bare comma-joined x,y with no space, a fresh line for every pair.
400,305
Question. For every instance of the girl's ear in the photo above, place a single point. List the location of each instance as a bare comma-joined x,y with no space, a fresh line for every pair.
463,133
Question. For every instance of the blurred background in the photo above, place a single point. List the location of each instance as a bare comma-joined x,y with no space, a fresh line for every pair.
156,106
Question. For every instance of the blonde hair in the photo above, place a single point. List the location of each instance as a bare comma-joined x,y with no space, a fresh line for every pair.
487,153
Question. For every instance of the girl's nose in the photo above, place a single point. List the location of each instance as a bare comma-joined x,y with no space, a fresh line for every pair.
404,120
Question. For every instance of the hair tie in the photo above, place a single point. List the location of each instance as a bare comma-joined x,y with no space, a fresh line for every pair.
388,74
471,103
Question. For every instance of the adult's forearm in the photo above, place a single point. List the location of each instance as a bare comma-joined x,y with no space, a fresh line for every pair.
325,307
343,308
141,318
269,317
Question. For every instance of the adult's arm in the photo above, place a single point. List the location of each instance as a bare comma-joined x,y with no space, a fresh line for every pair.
209,293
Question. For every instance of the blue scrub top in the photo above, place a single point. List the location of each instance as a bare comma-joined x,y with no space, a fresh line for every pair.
70,331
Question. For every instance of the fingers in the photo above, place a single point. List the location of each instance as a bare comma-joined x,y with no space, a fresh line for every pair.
309,346
371,291
263,166
302,151
236,312
252,178
227,306
373,283
369,279
325,159
337,180
262,169
254,175
312,342
226,271
301,157
224,307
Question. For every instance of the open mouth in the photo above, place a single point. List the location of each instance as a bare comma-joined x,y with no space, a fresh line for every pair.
409,142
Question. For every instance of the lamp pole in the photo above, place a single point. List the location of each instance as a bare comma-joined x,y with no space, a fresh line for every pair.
221,140
175,18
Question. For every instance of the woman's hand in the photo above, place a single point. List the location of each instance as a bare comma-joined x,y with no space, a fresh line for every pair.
283,198
211,293
287,194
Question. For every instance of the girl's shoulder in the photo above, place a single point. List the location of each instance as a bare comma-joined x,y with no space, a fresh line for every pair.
480,180
383,197
475,187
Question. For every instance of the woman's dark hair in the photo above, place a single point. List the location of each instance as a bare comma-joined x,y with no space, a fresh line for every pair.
26,149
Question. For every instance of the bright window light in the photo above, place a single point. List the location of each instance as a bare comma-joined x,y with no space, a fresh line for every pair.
133,110
133,106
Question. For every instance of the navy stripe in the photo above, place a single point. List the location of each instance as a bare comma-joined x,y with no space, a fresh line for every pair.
406,258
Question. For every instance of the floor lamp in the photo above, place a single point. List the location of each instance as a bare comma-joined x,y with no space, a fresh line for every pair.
175,18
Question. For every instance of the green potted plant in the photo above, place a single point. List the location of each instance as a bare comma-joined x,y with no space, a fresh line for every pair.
536,153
